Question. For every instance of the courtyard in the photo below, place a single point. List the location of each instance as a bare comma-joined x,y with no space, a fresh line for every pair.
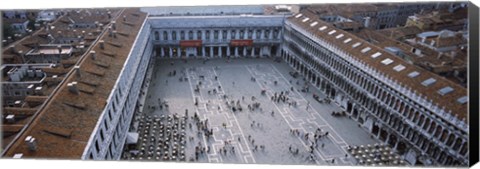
249,110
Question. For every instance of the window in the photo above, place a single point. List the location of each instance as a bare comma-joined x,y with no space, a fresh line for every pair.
215,34
199,35
174,35
224,34
241,35
101,135
428,82
182,35
105,124
259,33
234,34
190,35
207,35
250,33
445,90
97,148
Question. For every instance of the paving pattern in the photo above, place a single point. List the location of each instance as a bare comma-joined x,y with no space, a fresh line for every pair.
216,89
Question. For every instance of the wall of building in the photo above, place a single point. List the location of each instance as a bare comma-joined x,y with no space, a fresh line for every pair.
109,135
390,115
264,31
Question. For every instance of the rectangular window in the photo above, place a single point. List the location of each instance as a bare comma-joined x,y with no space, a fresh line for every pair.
97,148
101,135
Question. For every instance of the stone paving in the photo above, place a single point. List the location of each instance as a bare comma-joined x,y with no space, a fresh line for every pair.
232,80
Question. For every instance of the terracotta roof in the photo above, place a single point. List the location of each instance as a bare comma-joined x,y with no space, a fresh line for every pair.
430,91
397,33
63,113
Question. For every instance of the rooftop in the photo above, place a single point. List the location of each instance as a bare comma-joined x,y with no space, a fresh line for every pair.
66,112
447,101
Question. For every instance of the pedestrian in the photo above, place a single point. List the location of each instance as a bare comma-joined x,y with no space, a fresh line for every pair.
323,145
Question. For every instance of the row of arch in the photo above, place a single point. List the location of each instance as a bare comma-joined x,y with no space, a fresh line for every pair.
219,34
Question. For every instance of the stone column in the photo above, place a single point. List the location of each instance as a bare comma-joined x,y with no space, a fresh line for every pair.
254,34
179,52
244,51
262,35
211,51
170,51
228,50
162,53
253,51
203,51
236,51
220,52
270,36
203,35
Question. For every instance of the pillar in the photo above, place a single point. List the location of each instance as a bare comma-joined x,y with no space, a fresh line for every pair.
254,35
220,51
179,52
170,51
262,34
253,51
203,35
211,51
203,51
236,51
162,53
244,51
228,50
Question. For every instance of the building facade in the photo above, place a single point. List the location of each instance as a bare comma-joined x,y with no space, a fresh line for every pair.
422,134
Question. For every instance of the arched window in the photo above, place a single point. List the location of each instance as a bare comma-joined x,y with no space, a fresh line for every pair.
199,35
224,36
157,35
165,35
182,35
190,34
174,35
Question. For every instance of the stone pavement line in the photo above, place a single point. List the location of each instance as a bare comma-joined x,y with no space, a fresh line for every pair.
240,129
279,110
302,97
231,121
310,116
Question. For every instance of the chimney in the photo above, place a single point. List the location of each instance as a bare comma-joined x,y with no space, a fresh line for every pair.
77,70
39,91
366,24
10,118
72,87
109,15
124,18
59,33
114,25
101,26
93,55
114,34
102,44
432,43
83,33
31,142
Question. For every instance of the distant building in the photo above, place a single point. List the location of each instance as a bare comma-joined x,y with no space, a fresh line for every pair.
51,53
46,16
454,19
19,81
